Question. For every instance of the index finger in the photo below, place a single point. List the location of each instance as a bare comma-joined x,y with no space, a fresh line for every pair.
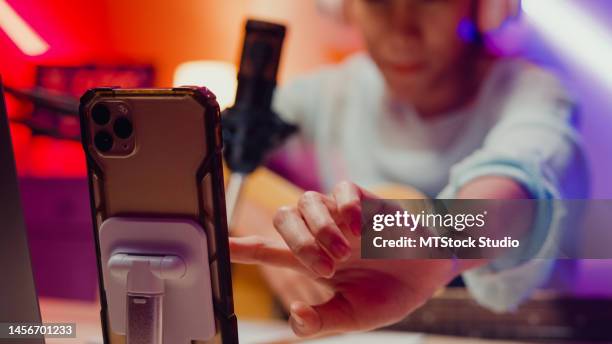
258,250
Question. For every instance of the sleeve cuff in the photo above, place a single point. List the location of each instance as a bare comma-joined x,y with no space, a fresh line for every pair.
506,281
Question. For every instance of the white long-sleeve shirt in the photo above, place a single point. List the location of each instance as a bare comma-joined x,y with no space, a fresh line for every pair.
521,125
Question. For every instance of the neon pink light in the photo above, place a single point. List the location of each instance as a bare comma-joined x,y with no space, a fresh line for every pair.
24,37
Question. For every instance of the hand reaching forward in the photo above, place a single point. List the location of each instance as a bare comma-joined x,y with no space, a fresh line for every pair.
321,240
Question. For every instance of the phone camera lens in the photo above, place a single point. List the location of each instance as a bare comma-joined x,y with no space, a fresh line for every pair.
103,141
100,114
123,127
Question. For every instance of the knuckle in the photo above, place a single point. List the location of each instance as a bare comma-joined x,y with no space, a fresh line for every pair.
309,197
258,249
344,185
354,205
326,230
281,215
305,248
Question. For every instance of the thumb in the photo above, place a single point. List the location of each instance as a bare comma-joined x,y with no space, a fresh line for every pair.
335,315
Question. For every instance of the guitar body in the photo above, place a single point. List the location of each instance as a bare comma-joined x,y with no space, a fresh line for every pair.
267,191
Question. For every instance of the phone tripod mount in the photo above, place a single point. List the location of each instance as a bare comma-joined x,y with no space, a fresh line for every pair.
157,280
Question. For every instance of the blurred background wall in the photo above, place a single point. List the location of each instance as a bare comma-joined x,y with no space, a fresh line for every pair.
161,33
167,33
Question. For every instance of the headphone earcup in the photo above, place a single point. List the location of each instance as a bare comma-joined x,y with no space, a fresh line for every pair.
492,14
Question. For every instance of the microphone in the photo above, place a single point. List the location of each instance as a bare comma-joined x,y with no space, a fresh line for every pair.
251,129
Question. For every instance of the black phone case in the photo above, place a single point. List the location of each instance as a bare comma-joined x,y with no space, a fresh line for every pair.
208,179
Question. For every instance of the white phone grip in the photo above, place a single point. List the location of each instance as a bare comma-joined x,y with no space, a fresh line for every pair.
157,279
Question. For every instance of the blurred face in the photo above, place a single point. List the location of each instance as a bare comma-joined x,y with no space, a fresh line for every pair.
416,44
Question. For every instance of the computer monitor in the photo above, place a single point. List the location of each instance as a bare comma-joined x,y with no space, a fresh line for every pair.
18,299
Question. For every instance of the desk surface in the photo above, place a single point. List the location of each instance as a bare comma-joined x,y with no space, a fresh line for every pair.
86,316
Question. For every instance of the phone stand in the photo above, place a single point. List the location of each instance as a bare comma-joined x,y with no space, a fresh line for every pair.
157,280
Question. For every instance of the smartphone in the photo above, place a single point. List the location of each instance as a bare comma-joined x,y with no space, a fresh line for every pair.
157,153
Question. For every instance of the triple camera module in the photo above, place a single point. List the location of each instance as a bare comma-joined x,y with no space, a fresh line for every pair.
112,128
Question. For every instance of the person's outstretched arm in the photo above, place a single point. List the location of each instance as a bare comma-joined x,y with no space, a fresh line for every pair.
321,241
